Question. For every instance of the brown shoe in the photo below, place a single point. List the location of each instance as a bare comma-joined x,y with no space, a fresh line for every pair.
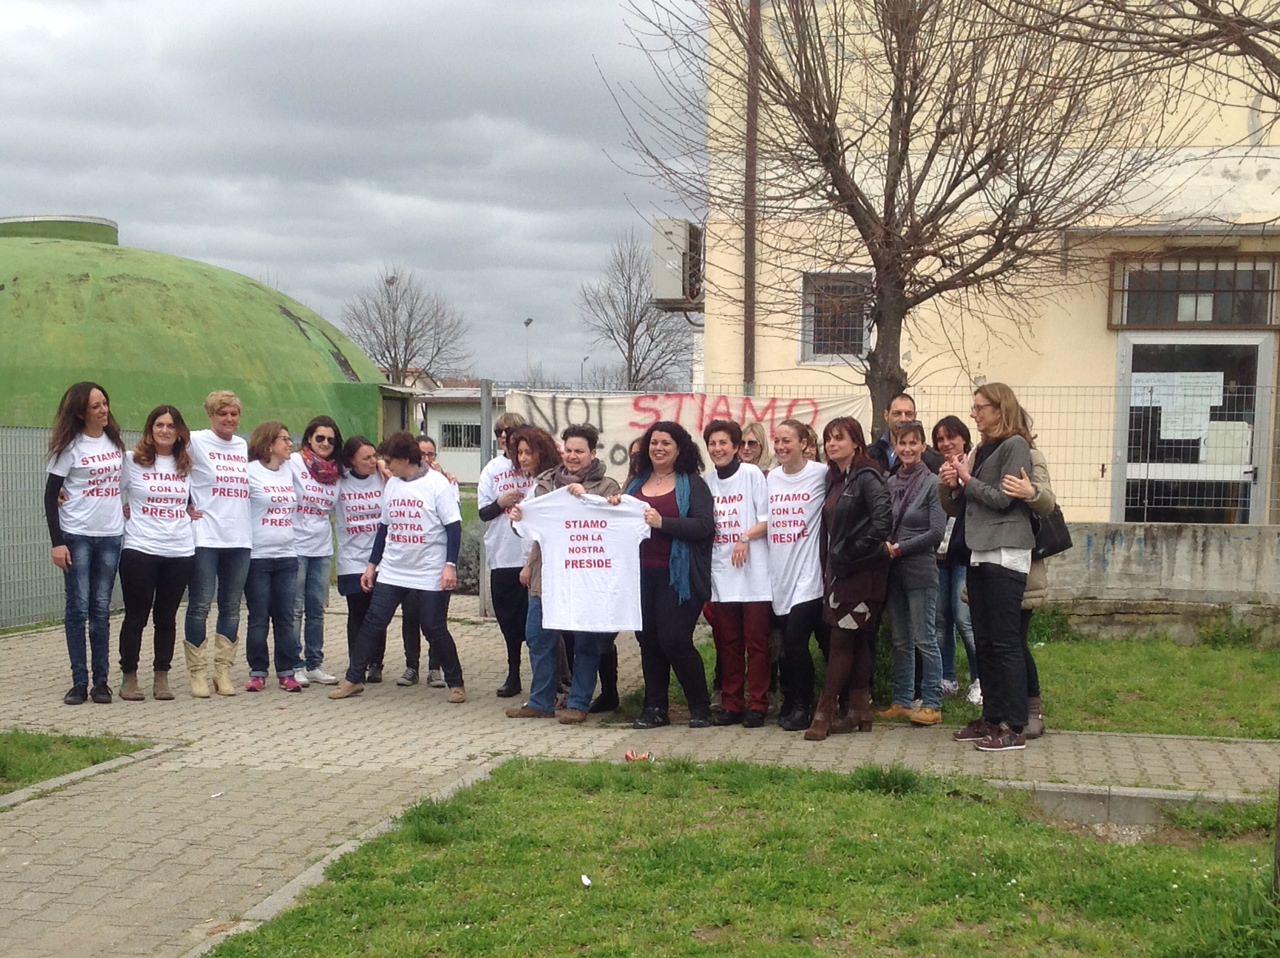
160,687
975,731
1035,717
894,711
572,717
457,695
345,689
525,712
923,716
129,691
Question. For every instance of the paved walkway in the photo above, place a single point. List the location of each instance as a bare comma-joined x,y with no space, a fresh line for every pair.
158,856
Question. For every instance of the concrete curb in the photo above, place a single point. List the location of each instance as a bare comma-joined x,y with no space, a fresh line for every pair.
40,789
287,895
1115,804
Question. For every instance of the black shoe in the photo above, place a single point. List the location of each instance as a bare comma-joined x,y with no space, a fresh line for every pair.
101,693
753,720
374,675
728,718
797,720
652,718
604,703
701,719
78,695
786,708
511,687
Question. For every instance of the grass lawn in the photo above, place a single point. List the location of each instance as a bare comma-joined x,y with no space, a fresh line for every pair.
30,757
732,859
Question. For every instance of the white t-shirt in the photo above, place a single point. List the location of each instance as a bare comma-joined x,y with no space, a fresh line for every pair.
312,531
359,510
502,547
220,491
158,523
741,501
590,559
91,471
415,514
795,530
272,503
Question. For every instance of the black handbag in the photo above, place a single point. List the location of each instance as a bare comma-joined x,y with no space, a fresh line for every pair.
1052,535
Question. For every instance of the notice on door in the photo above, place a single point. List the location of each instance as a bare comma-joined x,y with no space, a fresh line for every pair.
1184,400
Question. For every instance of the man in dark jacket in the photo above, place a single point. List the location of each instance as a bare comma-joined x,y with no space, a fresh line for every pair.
901,410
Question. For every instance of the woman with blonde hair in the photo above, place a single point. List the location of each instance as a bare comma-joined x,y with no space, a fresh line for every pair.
755,447
997,529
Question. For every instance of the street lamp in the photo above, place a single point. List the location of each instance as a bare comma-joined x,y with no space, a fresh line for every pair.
528,370
582,373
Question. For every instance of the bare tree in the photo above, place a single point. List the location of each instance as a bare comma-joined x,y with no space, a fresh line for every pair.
407,329
618,310
922,147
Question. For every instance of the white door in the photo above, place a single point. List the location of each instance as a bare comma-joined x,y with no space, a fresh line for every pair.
1192,436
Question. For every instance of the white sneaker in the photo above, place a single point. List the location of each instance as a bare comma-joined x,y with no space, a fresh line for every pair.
300,677
917,703
435,678
949,687
321,677
975,693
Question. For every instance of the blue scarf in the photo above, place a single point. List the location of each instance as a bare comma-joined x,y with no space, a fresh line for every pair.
679,548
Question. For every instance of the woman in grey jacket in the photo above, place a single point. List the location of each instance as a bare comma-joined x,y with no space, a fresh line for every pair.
998,533
918,525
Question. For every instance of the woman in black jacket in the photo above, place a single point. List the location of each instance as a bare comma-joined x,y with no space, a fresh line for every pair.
857,520
675,570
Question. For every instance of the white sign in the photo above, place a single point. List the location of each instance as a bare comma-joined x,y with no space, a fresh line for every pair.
1184,400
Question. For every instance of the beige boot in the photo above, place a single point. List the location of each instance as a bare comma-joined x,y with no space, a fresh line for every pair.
224,653
160,687
129,691
197,669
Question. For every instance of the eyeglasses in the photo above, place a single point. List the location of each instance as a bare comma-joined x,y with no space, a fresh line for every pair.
429,455
755,443
323,440
499,433
979,406
288,439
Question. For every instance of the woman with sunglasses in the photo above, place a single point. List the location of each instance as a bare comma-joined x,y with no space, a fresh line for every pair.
316,472
755,447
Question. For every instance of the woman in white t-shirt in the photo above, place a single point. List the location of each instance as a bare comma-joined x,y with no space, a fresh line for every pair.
316,471
159,546
797,486
272,582
358,512
740,592
220,500
86,454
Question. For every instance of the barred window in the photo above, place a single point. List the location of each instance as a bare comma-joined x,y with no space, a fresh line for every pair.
837,314
460,435
1181,293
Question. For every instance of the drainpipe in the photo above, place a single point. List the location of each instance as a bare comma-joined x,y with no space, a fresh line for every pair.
749,203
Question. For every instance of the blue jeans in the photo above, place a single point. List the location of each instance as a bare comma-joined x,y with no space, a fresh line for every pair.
953,614
312,597
431,611
222,571
911,621
544,658
268,592
588,648
89,582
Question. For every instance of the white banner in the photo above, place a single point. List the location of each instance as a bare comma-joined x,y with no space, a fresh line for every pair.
622,418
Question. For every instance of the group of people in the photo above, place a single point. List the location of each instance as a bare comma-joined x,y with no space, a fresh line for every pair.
773,550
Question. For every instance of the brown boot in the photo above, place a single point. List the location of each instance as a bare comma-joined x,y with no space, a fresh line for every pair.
160,687
197,669
860,709
820,726
1035,717
129,691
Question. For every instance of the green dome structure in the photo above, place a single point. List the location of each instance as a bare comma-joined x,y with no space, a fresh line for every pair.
154,328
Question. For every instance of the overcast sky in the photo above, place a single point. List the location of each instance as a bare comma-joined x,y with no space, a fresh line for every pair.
308,144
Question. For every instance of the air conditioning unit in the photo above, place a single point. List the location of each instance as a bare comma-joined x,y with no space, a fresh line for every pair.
677,266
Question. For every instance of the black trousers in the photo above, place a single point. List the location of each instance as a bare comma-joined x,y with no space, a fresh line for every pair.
798,625
995,607
666,644
432,612
357,609
152,587
411,636
1033,673
511,606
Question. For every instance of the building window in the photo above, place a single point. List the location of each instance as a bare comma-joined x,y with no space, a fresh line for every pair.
837,315
1184,293
460,435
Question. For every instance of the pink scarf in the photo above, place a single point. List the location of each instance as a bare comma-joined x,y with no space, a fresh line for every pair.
327,471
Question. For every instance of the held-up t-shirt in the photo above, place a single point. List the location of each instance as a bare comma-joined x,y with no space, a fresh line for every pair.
502,547
741,501
272,503
157,495
415,513
359,510
91,472
590,559
795,525
313,535
220,491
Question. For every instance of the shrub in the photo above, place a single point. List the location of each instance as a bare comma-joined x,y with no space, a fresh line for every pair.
470,558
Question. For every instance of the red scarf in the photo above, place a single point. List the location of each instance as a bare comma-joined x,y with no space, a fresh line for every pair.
327,471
